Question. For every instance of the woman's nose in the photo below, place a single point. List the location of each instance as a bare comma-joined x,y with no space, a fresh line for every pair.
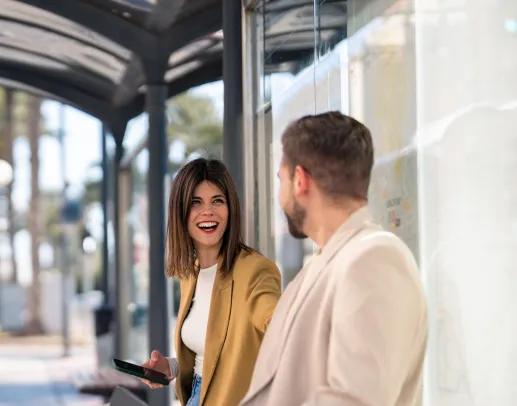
208,210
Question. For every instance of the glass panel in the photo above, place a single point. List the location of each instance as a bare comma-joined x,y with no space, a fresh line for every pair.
331,73
442,113
467,110
382,95
285,56
294,84
286,35
330,24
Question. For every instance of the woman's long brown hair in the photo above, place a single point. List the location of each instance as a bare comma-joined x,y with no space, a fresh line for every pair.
179,246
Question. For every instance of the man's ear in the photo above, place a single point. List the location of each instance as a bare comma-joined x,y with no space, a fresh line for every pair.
301,181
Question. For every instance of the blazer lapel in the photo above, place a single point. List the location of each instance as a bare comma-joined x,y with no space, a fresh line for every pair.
356,223
218,319
183,353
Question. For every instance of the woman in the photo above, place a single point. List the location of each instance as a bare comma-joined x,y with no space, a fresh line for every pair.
228,290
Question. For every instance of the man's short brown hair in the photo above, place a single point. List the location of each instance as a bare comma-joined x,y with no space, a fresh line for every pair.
335,149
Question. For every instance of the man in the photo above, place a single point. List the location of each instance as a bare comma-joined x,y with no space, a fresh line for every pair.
350,329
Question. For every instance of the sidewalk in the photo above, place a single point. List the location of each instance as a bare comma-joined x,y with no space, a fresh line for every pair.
34,373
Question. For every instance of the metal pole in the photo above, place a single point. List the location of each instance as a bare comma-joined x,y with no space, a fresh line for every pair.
104,202
63,239
122,315
158,300
232,77
118,334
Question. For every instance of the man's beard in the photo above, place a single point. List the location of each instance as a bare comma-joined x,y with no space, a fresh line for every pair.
295,221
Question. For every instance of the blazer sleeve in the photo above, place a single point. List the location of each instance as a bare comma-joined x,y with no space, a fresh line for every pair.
263,293
378,310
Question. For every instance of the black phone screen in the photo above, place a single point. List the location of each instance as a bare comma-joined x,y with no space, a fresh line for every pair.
141,372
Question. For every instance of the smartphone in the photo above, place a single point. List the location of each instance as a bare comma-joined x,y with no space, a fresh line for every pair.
140,372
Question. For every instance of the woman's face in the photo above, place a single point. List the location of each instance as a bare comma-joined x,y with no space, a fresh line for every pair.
208,216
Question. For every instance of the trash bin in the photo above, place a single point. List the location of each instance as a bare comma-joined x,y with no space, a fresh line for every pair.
104,335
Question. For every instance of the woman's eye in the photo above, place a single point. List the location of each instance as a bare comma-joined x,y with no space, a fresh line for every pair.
195,202
219,201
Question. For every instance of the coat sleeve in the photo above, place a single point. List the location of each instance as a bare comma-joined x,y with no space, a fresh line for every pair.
263,293
378,312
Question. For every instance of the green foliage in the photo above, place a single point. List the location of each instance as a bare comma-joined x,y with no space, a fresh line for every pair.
92,190
194,121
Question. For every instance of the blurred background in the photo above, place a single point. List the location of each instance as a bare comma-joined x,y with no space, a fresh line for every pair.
51,229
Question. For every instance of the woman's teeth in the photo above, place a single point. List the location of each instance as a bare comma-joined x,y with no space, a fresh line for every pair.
208,225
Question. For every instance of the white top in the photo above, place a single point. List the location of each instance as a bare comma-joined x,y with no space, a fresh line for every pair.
193,332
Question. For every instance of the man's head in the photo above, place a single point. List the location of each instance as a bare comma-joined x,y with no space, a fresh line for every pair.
330,155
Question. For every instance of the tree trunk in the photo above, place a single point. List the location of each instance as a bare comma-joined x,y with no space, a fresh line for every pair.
9,108
34,118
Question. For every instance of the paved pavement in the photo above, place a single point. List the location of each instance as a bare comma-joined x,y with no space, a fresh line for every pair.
34,373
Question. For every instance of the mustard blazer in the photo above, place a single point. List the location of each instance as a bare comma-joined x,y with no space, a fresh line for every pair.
241,307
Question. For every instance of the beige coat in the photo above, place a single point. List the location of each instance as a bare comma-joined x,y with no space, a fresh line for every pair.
241,307
349,330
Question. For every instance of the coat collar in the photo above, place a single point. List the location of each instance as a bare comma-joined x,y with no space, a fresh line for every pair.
359,219
218,319
185,356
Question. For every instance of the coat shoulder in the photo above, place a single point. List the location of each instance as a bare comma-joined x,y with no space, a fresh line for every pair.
249,264
371,240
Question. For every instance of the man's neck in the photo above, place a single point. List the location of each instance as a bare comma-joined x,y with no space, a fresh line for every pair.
327,219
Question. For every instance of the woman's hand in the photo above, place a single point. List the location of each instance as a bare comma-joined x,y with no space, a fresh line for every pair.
159,363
